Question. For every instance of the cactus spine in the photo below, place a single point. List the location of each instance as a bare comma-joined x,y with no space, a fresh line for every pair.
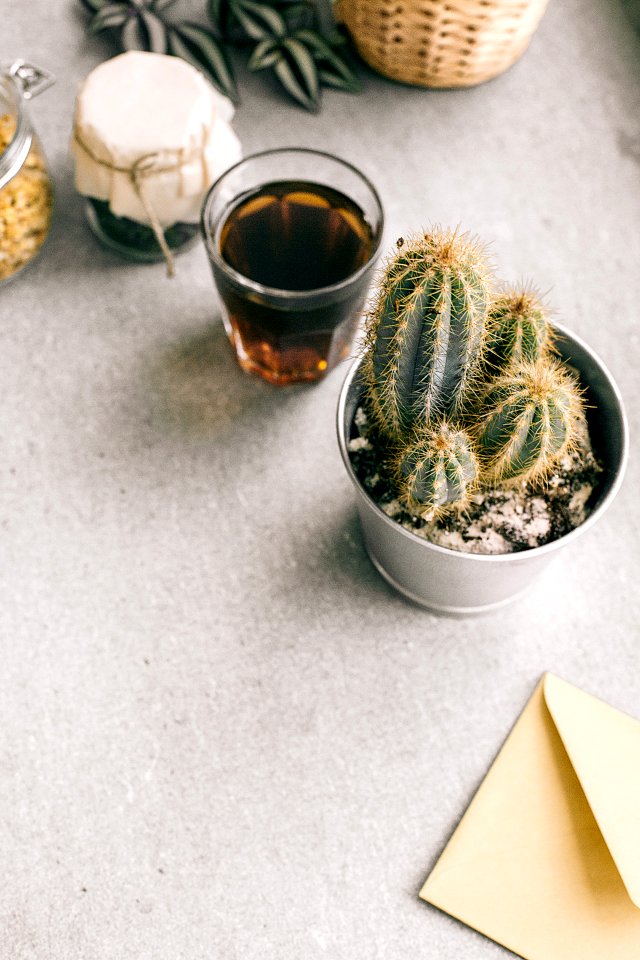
426,331
518,329
530,420
436,470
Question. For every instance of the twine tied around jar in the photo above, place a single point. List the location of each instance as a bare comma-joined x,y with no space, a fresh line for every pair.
143,168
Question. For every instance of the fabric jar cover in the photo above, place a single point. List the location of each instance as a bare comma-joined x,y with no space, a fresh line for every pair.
151,135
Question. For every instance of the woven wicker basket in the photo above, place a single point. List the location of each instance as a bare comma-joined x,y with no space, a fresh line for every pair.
441,43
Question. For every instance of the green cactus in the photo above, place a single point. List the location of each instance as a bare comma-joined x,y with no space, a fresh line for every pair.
436,470
463,391
426,331
529,421
518,329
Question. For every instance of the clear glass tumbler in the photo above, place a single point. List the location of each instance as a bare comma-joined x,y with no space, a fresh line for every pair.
292,237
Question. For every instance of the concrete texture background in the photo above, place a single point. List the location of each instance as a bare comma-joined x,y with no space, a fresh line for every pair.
222,734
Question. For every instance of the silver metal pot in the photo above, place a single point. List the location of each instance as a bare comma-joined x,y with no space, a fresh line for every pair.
463,584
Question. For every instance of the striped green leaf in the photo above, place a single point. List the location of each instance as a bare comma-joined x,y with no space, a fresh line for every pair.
334,71
134,36
292,85
200,48
303,62
336,80
109,15
93,5
258,20
156,31
266,54
215,13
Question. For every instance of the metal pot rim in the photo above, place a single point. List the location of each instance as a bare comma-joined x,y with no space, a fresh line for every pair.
523,555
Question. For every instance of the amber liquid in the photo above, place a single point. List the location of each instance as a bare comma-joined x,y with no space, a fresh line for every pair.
294,236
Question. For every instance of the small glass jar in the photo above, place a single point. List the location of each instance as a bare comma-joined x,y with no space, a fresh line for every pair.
134,240
150,137
26,193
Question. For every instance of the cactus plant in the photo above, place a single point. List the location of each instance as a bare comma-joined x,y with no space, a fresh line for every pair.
529,421
436,469
426,331
518,329
464,392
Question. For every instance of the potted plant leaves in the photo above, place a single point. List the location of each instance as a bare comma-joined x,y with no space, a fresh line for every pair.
298,43
479,436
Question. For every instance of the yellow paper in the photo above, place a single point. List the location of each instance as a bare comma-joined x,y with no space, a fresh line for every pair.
546,860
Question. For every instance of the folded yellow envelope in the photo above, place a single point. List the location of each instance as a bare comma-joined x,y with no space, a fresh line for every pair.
546,860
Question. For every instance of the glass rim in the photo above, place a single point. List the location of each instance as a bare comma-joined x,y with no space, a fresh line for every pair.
278,292
15,153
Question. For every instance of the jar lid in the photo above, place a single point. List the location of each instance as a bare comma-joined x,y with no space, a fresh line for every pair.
151,135
19,81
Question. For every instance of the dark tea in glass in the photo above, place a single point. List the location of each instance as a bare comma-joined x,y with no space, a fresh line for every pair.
292,262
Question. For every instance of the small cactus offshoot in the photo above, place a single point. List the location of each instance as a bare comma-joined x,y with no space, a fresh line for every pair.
436,470
530,421
426,331
518,329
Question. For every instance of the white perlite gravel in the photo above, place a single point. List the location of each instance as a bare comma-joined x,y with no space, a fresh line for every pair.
494,521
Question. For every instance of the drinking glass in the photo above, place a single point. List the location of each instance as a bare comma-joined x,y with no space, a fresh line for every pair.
292,236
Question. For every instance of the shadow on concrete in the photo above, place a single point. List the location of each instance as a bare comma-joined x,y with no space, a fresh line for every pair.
201,390
333,562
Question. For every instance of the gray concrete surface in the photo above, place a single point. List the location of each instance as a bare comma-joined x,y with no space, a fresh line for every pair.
222,734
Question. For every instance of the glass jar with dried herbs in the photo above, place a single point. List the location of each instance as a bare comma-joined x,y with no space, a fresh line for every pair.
26,193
